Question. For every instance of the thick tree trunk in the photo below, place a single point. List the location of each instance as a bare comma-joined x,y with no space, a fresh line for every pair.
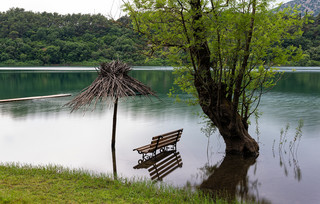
233,130
220,110
212,93
238,141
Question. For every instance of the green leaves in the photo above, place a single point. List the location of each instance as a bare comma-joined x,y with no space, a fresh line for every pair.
28,38
244,38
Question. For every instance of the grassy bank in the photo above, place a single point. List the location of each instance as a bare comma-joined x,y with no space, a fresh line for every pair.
26,184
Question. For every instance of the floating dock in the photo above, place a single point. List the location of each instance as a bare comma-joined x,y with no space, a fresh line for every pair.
34,97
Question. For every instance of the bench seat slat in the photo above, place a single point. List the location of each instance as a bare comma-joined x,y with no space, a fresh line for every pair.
165,138
146,150
167,141
151,147
168,136
160,141
160,144
142,147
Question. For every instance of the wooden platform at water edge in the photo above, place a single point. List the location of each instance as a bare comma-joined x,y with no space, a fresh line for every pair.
34,97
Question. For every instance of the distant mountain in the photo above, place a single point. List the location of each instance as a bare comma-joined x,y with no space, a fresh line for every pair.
306,6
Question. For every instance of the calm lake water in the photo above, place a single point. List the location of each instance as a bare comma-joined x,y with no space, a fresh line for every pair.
45,132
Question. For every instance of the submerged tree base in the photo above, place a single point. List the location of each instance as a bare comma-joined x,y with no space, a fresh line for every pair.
245,146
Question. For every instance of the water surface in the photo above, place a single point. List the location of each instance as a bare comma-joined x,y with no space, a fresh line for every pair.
45,132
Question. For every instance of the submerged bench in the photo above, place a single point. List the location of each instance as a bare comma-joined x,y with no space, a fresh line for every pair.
159,143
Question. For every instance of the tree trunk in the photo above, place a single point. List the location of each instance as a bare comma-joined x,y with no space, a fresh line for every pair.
234,131
212,93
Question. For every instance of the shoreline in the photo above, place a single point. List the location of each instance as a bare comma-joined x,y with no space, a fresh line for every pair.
78,68
89,68
55,184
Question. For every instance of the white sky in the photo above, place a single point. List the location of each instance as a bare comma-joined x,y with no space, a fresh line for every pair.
105,7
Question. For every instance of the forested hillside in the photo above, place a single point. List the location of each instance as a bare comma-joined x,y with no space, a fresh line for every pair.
305,6
28,38
37,39
309,42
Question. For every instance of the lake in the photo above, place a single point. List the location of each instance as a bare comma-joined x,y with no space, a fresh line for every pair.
42,132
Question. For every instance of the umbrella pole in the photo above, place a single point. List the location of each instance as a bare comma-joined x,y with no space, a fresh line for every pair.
114,162
115,110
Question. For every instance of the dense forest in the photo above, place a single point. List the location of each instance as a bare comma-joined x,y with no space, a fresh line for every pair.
309,42
37,39
304,6
28,38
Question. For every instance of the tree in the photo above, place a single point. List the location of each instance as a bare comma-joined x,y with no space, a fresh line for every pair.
27,38
230,46
54,54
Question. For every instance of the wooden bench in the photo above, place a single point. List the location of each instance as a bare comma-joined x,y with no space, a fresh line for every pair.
159,143
161,165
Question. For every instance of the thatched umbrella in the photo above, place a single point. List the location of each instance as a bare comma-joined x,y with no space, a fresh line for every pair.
112,83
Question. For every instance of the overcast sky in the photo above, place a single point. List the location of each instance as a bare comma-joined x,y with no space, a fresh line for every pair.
105,7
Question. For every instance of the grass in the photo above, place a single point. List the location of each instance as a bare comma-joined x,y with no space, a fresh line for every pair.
52,184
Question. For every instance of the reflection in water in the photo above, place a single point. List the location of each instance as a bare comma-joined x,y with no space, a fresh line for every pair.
208,130
23,125
230,180
288,150
24,84
114,163
16,84
306,83
161,165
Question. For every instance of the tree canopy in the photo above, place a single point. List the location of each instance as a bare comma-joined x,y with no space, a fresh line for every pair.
309,42
28,38
224,51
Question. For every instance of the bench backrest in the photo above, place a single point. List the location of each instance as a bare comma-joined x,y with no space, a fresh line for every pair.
165,139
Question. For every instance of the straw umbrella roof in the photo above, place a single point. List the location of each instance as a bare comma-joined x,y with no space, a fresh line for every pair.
113,82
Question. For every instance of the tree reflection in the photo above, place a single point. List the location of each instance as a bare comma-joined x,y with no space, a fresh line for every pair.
230,180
